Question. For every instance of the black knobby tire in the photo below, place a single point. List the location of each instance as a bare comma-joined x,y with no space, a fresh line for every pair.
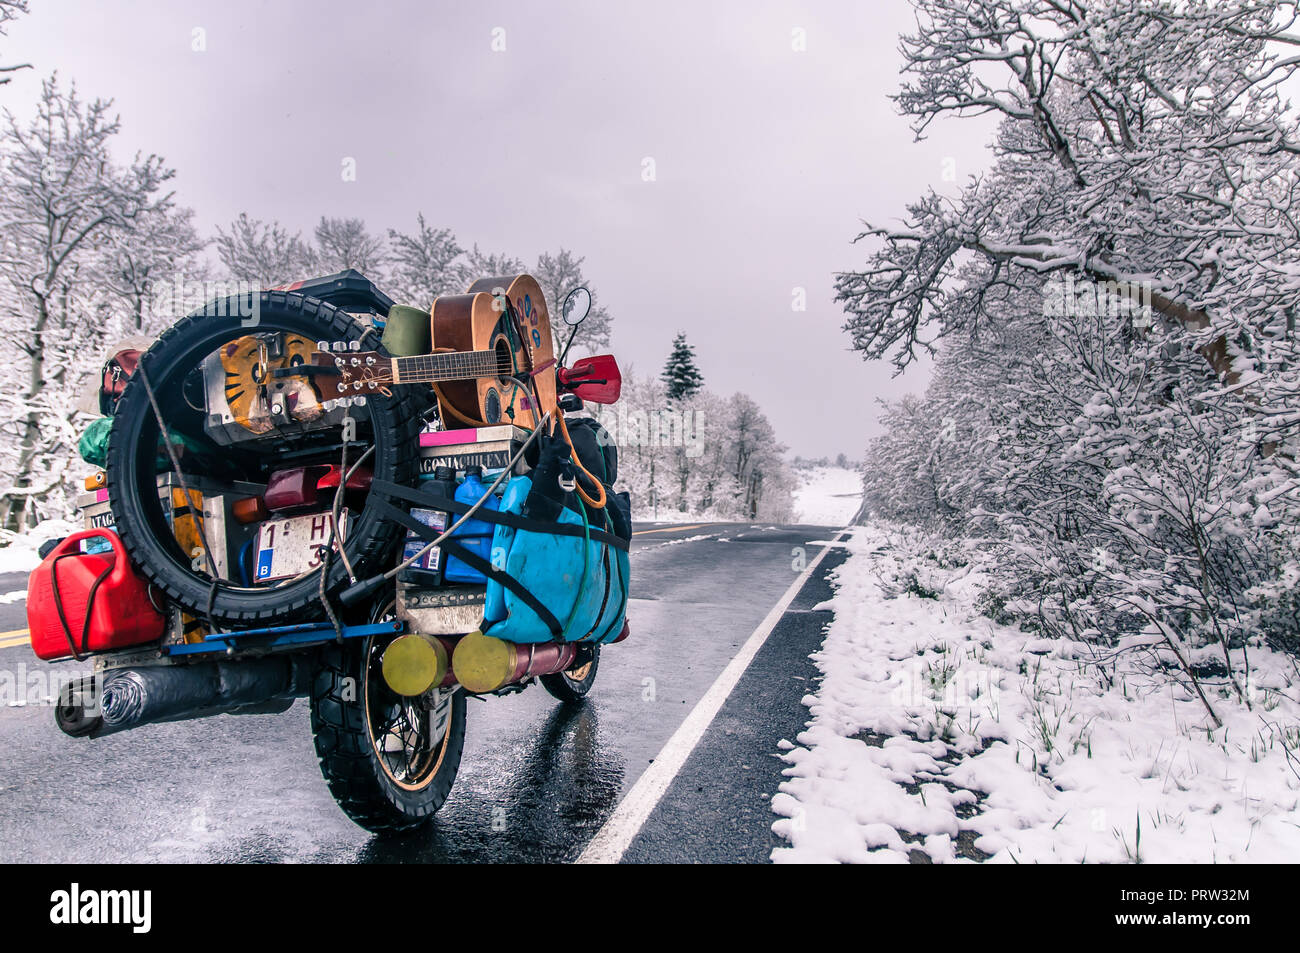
133,443
349,759
567,688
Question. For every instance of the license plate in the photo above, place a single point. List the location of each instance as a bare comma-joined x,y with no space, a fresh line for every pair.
292,546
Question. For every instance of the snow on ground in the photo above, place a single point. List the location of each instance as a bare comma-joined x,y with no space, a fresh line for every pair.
20,552
827,496
648,514
937,730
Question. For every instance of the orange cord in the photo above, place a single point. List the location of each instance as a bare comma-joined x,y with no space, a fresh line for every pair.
596,503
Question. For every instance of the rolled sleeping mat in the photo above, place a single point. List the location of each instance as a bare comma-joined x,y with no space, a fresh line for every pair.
483,664
414,663
139,696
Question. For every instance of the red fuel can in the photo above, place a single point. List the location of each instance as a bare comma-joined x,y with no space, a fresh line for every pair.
78,603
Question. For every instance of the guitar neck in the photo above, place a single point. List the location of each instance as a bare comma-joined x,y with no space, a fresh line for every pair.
451,366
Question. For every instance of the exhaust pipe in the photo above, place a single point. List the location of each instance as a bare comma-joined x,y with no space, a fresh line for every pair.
130,697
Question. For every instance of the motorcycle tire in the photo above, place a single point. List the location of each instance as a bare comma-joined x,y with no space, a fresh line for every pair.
133,448
574,685
382,788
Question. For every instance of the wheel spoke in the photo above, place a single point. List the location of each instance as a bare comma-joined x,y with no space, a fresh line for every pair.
412,749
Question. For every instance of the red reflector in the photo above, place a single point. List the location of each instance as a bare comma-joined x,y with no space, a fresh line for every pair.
358,481
291,489
301,487
251,509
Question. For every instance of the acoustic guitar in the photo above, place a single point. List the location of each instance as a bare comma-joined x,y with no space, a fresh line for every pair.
492,362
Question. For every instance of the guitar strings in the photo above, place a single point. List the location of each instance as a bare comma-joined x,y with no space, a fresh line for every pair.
452,365
456,363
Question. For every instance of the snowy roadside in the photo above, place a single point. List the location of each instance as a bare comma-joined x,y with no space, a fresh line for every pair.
940,735
21,552
827,496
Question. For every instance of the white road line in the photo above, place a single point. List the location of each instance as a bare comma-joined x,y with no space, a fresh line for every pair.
617,833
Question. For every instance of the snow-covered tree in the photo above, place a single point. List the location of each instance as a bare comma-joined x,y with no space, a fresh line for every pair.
9,10
681,376
62,202
342,243
1143,142
137,262
424,264
703,455
559,274
264,254
481,264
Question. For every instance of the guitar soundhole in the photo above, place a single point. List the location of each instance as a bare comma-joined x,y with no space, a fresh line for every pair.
504,362
492,406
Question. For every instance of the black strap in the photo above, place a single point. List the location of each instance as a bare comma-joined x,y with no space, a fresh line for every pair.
90,602
452,548
622,582
604,599
475,561
390,512
435,501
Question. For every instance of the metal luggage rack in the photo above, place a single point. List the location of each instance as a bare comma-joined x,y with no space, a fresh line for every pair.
281,637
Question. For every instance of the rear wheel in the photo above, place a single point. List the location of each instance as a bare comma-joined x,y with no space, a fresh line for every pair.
389,761
573,685
173,368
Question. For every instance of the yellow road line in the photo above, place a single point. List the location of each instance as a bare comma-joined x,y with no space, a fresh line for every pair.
6,635
666,529
11,643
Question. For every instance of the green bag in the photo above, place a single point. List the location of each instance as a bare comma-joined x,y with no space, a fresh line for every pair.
407,332
93,445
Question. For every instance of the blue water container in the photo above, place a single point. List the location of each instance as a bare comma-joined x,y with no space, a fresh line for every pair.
474,534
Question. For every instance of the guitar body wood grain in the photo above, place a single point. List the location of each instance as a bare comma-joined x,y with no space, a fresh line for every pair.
476,321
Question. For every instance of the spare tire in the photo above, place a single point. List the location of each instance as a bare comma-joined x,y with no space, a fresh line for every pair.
133,448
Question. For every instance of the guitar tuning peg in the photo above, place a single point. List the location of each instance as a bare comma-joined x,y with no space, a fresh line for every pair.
338,346
354,345
322,345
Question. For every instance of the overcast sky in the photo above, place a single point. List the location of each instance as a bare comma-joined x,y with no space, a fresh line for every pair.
765,157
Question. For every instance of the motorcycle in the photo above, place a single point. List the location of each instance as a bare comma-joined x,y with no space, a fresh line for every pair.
289,508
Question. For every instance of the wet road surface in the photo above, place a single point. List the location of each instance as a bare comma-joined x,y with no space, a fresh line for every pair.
537,779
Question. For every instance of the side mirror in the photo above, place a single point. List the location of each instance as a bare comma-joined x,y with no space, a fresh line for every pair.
576,307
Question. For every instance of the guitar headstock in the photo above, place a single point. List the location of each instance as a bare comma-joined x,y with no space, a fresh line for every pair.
351,373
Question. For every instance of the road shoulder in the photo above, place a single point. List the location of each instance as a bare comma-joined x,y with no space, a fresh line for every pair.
717,808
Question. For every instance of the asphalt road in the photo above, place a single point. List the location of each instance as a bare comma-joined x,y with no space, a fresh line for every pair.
537,780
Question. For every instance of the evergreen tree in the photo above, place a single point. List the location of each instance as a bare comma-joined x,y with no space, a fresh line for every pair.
680,374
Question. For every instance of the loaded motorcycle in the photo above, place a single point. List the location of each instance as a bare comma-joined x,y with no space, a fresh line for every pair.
315,492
